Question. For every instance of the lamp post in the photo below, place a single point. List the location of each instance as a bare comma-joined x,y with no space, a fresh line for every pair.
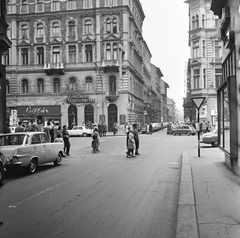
198,101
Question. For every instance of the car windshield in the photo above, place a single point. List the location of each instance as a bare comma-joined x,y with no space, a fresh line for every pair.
6,140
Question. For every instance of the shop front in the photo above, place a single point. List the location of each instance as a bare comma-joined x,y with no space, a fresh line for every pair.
40,114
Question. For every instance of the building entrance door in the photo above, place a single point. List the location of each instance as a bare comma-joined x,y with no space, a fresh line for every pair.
112,116
89,114
72,116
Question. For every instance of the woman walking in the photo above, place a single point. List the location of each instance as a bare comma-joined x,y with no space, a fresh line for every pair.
96,140
130,144
67,143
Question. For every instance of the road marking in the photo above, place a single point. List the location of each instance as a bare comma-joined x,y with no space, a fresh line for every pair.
44,191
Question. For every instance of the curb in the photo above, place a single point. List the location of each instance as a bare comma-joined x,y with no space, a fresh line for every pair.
187,216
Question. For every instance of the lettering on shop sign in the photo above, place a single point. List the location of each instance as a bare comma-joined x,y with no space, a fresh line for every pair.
36,110
81,99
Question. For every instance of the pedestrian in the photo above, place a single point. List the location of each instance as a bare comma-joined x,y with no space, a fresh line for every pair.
136,138
150,128
96,140
67,143
104,129
59,139
115,130
19,128
46,129
131,145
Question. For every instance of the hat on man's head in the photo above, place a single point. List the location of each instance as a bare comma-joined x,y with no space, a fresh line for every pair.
134,125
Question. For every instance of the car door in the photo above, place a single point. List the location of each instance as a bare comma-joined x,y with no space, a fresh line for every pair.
186,129
39,148
48,148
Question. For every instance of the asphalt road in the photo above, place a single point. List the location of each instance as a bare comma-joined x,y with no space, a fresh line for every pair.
104,195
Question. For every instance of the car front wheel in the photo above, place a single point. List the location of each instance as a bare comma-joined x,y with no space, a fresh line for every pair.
1,175
32,166
214,144
84,134
58,160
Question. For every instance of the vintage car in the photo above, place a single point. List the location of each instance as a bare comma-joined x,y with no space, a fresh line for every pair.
210,137
184,130
80,131
2,170
29,149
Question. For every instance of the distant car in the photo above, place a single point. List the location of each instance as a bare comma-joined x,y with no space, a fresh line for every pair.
184,130
80,131
2,170
29,149
143,128
210,137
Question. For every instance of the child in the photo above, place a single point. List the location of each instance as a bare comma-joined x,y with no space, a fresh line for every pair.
59,138
130,144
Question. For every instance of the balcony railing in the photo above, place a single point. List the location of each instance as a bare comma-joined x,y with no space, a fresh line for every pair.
112,96
54,68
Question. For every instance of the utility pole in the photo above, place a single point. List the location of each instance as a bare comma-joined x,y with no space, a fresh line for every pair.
5,44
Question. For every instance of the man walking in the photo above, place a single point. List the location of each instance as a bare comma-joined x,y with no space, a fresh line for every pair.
136,138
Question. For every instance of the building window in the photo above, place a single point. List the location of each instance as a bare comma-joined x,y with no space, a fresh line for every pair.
196,49
197,22
88,53
193,22
71,29
56,85
9,7
72,53
204,48
40,55
108,51
40,6
7,87
55,29
112,85
5,58
40,86
24,31
24,55
196,77
24,7
218,77
218,49
203,21
71,4
24,86
111,25
204,79
72,83
88,82
55,5
56,54
40,30
87,3
115,51
109,3
88,27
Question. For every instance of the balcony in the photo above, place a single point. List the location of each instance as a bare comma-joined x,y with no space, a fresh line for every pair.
54,68
112,96
110,66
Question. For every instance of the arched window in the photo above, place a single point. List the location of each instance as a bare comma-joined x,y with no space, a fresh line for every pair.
88,83
24,86
24,7
112,85
114,23
108,51
40,6
72,83
56,54
40,86
88,27
197,21
56,85
7,87
71,28
55,29
24,31
193,22
40,30
108,25
115,51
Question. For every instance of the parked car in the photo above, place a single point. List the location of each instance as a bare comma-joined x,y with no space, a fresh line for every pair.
210,137
29,149
184,130
80,131
2,170
143,128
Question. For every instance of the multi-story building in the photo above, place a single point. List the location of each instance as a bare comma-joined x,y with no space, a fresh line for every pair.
76,61
164,108
228,91
205,62
171,110
4,45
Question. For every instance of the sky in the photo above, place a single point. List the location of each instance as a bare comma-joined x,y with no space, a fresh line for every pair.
165,30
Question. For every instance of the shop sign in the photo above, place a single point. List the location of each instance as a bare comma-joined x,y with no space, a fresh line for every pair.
39,110
80,99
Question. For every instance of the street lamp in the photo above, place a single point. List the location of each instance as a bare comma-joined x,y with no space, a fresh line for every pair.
198,101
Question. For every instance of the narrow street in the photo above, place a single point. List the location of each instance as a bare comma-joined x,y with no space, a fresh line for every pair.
102,195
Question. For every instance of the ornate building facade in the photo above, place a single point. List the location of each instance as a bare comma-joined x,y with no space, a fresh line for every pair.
76,61
204,69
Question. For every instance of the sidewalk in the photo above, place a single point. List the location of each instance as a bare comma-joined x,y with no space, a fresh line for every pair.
209,199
